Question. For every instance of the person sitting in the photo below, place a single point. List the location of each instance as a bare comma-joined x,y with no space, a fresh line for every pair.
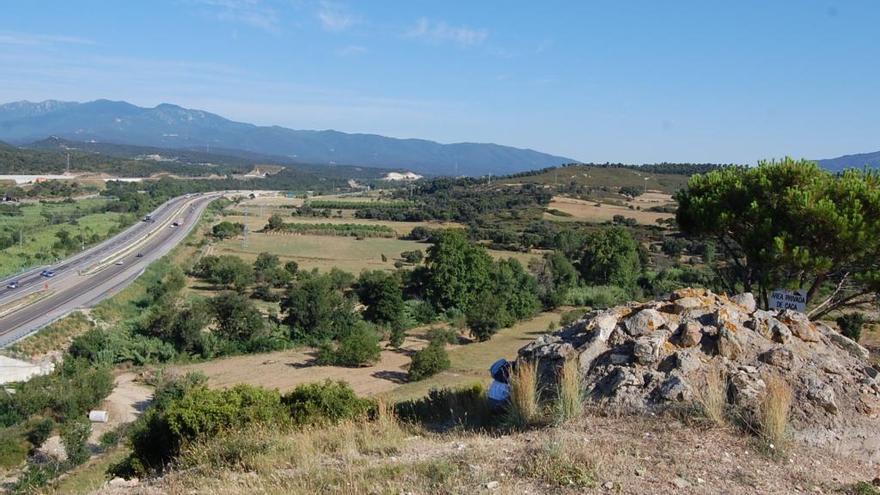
499,391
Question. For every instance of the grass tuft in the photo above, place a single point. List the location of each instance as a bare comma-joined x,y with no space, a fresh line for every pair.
773,412
524,408
711,398
569,395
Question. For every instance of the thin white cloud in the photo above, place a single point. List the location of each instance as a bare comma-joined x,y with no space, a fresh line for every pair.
253,13
351,50
15,38
335,17
441,32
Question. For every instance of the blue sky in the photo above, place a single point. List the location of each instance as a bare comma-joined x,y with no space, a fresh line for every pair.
632,81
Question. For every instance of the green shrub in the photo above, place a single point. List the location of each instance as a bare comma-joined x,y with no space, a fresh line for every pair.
185,410
398,335
40,429
429,361
13,448
600,296
75,436
464,406
358,348
324,403
443,335
851,325
108,439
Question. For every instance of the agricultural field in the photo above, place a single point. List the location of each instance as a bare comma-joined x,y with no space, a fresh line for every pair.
579,210
324,251
38,223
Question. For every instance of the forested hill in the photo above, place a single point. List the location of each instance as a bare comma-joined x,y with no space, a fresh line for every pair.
858,161
50,157
171,126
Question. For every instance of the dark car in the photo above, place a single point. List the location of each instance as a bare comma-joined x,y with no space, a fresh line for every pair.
12,285
139,255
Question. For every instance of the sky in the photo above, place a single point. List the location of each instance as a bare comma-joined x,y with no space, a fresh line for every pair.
634,81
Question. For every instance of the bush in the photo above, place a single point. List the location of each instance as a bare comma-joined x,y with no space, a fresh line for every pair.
851,325
443,335
13,448
108,439
398,335
429,361
74,436
39,431
600,296
464,406
486,316
324,403
418,311
358,348
185,410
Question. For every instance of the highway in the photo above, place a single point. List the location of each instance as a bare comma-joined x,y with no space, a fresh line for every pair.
97,273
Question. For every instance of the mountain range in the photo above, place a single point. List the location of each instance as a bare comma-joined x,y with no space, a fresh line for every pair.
860,160
172,126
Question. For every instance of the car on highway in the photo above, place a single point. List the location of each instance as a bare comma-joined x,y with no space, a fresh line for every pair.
175,224
118,263
139,255
47,273
12,285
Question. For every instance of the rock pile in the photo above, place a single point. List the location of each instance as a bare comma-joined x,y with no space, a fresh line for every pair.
647,356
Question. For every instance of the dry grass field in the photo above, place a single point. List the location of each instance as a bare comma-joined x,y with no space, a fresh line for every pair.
285,370
587,211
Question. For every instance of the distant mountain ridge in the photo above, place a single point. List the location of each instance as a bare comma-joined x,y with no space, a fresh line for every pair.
859,160
172,126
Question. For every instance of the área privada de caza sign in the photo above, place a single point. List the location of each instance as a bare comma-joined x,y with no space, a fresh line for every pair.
788,299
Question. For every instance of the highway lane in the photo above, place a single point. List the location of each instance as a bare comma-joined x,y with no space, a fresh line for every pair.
93,276
31,280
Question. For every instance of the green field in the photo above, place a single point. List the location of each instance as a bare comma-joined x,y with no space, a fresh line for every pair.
81,218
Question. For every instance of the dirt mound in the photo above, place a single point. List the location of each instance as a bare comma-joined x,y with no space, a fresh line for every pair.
646,357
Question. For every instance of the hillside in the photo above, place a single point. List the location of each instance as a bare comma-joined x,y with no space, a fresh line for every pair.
844,162
171,126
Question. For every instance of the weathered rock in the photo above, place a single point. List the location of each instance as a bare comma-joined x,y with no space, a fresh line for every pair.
646,349
621,377
687,361
728,344
844,342
823,395
690,333
673,389
688,304
746,389
800,325
779,356
644,321
646,356
746,301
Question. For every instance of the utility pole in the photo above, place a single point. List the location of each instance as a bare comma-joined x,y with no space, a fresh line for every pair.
67,171
244,239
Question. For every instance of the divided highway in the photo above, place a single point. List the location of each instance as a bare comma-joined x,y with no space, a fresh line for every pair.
89,277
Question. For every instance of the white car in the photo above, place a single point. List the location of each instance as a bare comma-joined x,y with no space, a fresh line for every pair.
118,262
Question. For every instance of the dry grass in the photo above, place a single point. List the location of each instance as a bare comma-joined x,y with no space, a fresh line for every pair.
569,395
563,461
524,408
264,449
711,397
773,413
587,211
